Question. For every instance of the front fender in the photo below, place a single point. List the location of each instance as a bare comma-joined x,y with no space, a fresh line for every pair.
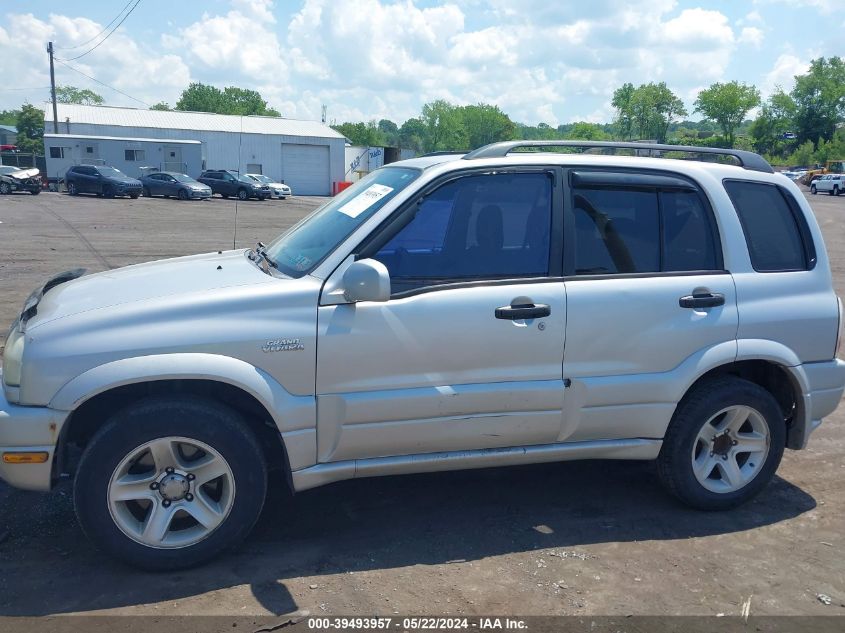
289,412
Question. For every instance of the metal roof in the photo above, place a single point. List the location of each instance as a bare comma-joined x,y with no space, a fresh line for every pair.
168,141
9,128
201,121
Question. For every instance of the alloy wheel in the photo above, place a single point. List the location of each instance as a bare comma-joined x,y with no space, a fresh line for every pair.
171,492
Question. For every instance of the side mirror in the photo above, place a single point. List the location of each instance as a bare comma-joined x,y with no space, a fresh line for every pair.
366,280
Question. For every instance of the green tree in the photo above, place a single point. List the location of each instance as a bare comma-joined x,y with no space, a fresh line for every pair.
622,98
390,131
444,129
364,134
584,131
775,122
199,97
653,107
161,105
727,104
484,124
9,117
30,124
81,96
412,135
819,99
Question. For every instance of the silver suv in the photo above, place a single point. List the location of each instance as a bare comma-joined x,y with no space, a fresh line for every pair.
500,307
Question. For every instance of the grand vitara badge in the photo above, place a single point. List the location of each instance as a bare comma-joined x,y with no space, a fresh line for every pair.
283,345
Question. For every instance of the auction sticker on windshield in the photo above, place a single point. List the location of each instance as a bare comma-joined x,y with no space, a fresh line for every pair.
365,200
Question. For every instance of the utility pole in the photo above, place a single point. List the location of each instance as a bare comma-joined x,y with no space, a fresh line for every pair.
53,89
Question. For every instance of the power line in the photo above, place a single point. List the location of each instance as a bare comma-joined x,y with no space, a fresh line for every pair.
101,83
32,88
105,28
110,33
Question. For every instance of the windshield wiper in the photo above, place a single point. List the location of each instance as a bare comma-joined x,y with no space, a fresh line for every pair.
260,251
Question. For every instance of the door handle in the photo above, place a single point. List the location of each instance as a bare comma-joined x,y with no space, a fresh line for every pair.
704,300
523,311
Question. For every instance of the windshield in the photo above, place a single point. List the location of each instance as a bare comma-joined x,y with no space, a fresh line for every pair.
109,171
183,177
297,252
260,178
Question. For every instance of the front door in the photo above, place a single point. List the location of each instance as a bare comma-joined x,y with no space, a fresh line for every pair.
467,353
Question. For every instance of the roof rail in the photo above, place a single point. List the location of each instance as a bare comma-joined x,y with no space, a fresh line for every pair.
747,160
444,153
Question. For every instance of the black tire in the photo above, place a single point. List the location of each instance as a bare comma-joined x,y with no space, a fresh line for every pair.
146,192
836,191
831,193
134,196
34,192
209,422
71,189
183,195
674,464
224,195
5,188
243,194
813,189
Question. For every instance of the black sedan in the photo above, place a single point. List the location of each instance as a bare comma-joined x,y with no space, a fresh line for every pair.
173,184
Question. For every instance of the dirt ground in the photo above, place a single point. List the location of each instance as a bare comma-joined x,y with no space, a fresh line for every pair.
583,538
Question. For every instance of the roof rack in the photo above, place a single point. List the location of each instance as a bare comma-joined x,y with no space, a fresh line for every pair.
746,160
445,153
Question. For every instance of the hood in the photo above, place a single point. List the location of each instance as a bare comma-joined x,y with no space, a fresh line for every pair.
124,179
24,174
143,282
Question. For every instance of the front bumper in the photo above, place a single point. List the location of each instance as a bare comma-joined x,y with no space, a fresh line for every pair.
30,429
200,195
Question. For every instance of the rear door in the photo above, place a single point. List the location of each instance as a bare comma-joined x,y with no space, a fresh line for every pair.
467,352
646,292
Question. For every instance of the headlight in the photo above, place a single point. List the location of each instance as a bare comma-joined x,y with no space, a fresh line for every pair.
12,356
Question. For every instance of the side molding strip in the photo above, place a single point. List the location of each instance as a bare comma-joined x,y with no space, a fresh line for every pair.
326,473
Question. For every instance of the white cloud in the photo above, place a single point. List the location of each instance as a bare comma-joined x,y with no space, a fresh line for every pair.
751,35
120,61
783,73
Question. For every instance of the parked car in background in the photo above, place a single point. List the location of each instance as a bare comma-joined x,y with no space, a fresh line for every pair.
834,184
105,181
277,189
14,179
229,183
173,184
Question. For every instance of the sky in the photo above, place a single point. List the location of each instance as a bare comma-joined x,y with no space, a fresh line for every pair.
551,61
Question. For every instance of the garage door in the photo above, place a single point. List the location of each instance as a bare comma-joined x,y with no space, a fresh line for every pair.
306,169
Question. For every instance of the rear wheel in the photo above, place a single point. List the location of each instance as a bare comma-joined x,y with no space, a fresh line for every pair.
813,189
71,189
723,445
170,482
34,192
832,192
224,195
836,191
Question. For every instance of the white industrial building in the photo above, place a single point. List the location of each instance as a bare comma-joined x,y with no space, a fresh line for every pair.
307,155
361,160
132,156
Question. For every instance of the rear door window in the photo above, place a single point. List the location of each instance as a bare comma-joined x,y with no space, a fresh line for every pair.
777,235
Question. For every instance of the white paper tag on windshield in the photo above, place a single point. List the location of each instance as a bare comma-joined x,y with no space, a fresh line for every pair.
365,200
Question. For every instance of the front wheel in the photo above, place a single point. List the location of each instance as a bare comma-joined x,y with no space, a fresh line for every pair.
108,192
183,195
5,188
243,194
723,445
170,482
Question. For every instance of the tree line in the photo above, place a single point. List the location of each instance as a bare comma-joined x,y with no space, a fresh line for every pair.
795,127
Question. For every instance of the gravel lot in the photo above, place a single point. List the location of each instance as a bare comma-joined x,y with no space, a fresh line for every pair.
574,538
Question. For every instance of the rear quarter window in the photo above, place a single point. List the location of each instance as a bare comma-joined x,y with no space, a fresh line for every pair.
776,233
